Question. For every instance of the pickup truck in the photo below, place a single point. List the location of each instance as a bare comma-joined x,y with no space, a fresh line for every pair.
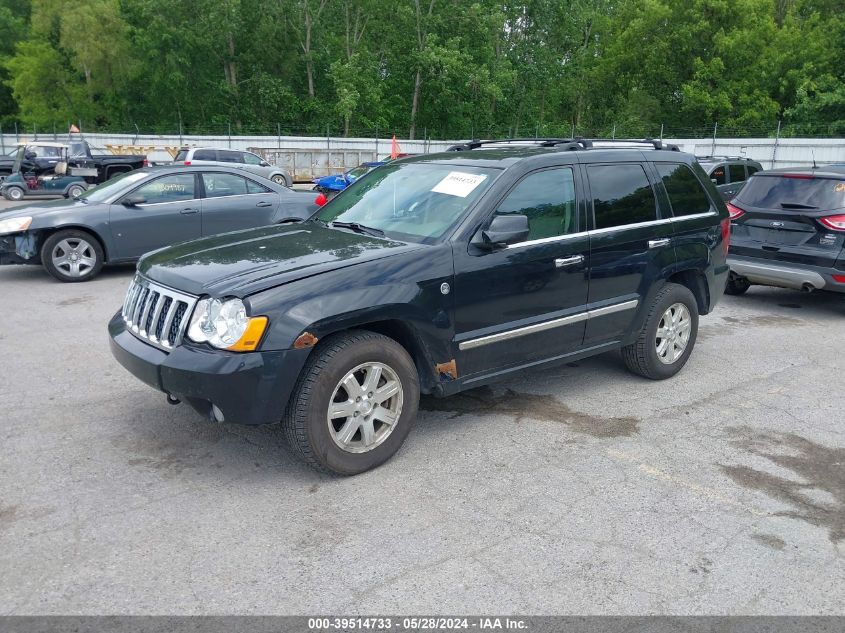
107,165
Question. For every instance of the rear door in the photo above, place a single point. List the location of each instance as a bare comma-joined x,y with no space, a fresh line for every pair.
736,180
630,246
527,301
782,218
170,214
232,202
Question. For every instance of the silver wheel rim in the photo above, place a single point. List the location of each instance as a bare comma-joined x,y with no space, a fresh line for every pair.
74,257
673,333
365,407
76,191
279,180
15,193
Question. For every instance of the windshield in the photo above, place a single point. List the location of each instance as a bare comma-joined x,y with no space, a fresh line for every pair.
413,202
114,186
357,172
777,192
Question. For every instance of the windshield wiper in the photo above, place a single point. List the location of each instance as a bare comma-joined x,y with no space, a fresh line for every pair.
796,205
359,228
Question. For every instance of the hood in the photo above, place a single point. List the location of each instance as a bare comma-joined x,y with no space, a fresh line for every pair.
246,262
45,209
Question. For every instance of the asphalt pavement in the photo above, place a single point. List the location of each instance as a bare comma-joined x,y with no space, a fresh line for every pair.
576,490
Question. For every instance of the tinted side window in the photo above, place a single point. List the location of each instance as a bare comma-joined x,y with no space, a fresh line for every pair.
251,159
718,175
181,155
751,170
227,156
622,195
254,187
685,192
219,185
737,172
167,189
205,154
548,199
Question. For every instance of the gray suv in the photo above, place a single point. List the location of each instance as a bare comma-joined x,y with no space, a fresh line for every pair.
729,173
233,158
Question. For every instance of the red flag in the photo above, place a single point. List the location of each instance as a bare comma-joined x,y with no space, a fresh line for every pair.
73,129
394,149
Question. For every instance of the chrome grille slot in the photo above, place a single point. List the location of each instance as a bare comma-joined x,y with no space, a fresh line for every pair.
157,314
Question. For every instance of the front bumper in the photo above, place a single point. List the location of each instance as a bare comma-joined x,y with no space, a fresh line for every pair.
18,248
248,388
786,275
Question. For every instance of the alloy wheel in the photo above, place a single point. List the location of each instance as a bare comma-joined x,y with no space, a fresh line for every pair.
74,257
673,333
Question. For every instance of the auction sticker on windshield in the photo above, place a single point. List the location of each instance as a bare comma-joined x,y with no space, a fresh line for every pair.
458,183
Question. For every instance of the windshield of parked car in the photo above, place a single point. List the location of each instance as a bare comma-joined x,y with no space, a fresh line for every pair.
415,202
356,172
793,191
114,186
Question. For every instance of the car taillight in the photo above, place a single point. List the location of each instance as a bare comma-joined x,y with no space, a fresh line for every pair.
840,279
726,234
146,163
798,176
321,200
834,222
187,162
735,212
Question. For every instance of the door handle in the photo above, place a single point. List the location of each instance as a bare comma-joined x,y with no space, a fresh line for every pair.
664,241
189,211
264,204
569,261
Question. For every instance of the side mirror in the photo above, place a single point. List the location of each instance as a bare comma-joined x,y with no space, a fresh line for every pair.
133,201
264,163
714,181
30,156
503,230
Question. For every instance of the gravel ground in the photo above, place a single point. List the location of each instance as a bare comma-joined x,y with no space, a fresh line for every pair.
576,490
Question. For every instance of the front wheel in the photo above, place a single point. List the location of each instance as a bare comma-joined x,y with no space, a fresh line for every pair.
668,336
75,191
280,179
354,403
14,194
72,255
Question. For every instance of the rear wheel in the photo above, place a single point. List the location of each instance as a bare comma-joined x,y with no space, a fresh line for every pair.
668,335
75,191
72,255
737,285
14,193
280,179
354,403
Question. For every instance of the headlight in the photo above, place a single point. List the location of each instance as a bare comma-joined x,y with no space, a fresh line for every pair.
14,225
225,325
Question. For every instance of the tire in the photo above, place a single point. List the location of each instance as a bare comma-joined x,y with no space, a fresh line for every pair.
62,246
74,191
280,179
643,356
737,285
306,423
15,194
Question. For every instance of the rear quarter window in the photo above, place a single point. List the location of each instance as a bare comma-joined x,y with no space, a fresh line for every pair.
683,188
774,191
181,155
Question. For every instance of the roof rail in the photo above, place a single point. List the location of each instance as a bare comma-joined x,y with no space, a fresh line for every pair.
722,157
570,144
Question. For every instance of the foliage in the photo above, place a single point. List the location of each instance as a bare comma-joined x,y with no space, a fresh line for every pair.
425,67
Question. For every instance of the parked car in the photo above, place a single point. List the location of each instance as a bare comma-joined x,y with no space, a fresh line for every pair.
729,173
335,183
789,230
140,211
433,274
247,161
42,158
41,169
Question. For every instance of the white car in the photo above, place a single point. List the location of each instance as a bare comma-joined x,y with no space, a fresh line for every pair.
233,158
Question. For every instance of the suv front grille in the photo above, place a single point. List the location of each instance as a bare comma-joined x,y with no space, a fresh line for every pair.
157,314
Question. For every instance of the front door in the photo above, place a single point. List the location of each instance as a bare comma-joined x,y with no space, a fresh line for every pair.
527,301
630,245
169,213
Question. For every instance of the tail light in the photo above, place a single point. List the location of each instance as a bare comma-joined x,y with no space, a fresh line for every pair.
321,200
840,279
798,176
187,162
735,212
146,163
726,234
834,222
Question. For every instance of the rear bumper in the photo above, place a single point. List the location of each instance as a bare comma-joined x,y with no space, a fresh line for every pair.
785,275
248,388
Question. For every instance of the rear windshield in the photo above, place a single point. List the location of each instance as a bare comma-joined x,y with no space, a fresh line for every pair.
773,192
181,155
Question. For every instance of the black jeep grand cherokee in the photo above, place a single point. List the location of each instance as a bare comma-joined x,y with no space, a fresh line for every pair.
432,274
